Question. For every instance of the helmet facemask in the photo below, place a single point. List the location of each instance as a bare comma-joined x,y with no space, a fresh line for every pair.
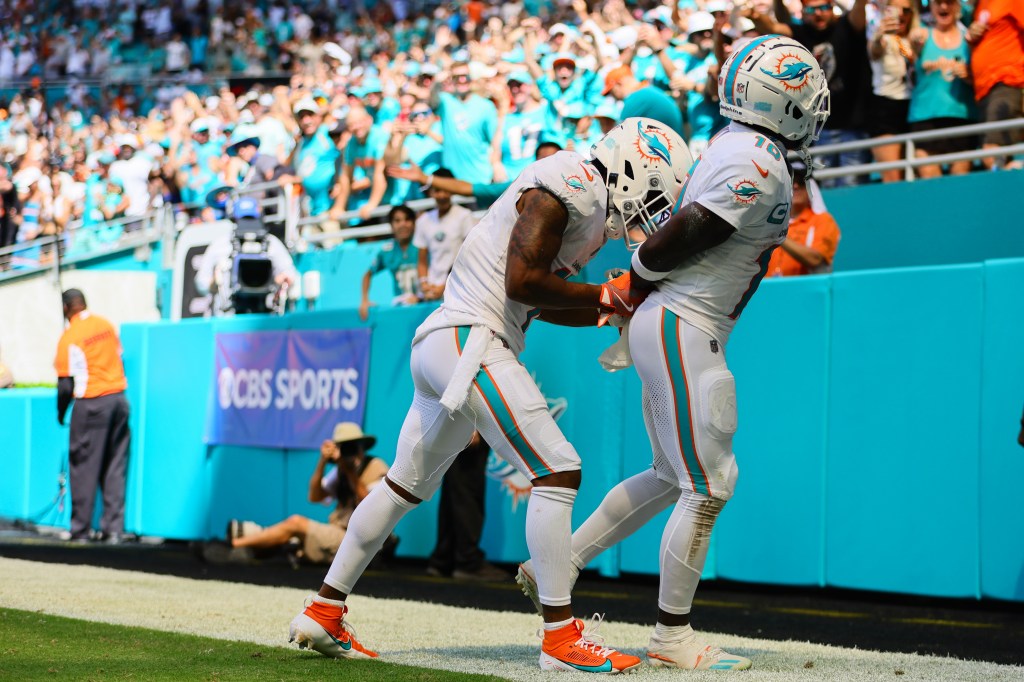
644,164
645,214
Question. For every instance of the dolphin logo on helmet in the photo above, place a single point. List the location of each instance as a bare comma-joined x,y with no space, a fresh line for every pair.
656,149
793,74
644,165
750,93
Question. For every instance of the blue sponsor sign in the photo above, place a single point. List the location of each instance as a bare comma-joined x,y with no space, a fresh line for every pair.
287,389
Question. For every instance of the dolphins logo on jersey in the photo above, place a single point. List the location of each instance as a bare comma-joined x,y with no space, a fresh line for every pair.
574,183
516,485
745,192
653,144
791,71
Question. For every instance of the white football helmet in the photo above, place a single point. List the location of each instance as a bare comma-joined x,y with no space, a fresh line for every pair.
645,164
774,82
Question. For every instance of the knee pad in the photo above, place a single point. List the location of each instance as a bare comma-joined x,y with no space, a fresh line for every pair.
718,403
421,484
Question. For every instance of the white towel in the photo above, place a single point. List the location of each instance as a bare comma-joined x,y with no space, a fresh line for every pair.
466,369
616,356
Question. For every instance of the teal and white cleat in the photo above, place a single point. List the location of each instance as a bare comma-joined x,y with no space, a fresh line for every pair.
528,584
692,654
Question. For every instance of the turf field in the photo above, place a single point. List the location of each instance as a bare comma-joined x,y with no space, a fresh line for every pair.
247,625
40,646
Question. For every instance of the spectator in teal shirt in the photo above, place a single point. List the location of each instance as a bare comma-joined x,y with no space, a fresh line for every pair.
579,129
95,189
157,56
207,147
414,143
485,193
522,125
198,44
565,85
362,184
314,156
684,73
399,257
469,124
640,99
382,109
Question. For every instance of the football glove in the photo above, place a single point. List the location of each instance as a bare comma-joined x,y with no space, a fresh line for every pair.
618,300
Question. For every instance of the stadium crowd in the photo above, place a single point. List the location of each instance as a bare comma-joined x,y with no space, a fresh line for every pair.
350,105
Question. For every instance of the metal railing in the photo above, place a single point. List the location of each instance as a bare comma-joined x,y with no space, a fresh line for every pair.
79,242
909,140
140,74
311,227
282,204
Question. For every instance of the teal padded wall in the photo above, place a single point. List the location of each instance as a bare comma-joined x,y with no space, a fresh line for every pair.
773,528
901,485
247,483
34,454
878,420
169,368
15,415
961,219
341,275
1002,459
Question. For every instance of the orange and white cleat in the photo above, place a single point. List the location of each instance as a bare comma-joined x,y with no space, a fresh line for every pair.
322,628
692,654
569,649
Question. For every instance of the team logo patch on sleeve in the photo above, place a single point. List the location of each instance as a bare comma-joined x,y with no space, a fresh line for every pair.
791,71
574,183
745,191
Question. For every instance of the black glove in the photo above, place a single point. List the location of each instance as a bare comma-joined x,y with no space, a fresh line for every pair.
65,394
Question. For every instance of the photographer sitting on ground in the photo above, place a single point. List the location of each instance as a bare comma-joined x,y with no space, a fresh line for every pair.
356,473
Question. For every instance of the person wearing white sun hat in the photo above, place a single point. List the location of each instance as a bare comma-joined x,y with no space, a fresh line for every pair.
354,474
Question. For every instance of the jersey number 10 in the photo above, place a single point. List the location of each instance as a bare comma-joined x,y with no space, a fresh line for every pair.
771,148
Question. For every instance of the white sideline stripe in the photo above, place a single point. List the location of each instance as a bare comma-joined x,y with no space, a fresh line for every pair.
419,634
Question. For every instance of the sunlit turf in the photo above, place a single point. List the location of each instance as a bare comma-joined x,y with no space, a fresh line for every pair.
36,646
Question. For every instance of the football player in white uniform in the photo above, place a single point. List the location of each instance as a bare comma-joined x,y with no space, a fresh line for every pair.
512,268
702,266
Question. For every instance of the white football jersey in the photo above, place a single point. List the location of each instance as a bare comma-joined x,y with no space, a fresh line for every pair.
475,292
743,178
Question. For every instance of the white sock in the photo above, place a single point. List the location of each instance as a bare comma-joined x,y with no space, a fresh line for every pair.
557,626
548,537
624,510
332,602
684,547
672,633
371,523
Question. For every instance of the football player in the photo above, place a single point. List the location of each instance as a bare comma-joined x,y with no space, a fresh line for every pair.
513,267
701,268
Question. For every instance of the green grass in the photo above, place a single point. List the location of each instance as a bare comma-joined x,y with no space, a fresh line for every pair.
36,646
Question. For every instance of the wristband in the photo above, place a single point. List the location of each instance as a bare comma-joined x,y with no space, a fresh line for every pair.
429,182
648,275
